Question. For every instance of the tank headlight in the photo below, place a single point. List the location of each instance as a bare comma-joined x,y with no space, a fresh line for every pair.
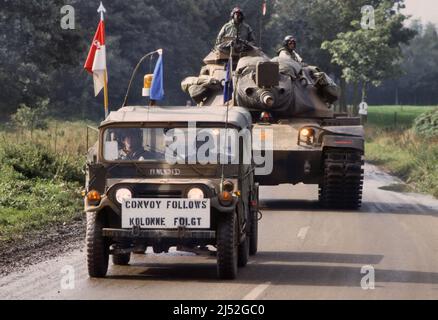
306,132
123,194
307,136
195,193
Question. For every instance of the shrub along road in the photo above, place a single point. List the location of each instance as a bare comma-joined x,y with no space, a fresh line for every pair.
408,148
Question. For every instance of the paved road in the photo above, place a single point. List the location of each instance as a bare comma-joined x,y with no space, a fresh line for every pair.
305,253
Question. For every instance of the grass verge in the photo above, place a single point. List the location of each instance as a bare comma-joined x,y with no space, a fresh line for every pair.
41,178
400,151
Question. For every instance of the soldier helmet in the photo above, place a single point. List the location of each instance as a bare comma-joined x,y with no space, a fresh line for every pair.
288,39
236,10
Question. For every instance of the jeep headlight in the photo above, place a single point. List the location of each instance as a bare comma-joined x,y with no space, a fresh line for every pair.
123,194
195,193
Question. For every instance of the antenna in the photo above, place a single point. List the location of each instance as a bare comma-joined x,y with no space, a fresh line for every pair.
230,62
159,51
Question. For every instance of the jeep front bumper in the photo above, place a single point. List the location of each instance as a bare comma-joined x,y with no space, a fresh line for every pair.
180,234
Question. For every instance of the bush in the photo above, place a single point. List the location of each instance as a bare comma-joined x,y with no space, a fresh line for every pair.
407,155
40,178
31,118
37,188
33,160
426,125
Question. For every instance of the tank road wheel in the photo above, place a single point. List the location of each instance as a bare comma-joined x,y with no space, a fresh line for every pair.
342,183
121,259
227,246
97,247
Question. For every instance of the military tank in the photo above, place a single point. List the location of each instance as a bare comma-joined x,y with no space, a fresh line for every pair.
292,105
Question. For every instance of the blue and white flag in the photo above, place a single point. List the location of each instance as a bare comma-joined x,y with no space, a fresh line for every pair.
157,88
228,86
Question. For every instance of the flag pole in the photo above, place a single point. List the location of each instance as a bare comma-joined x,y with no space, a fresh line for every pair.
262,16
102,10
105,93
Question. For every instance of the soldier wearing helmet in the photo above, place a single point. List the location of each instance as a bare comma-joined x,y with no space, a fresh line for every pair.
236,28
288,49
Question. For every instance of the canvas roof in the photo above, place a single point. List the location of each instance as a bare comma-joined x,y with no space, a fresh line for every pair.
237,116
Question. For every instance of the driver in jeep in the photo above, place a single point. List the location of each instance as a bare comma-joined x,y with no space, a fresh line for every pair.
132,146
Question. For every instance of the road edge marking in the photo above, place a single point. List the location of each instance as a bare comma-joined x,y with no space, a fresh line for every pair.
303,233
257,291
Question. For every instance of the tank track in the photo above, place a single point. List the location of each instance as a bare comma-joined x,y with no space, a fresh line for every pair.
343,174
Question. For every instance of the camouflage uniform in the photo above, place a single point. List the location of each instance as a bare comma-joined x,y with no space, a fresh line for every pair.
286,53
231,29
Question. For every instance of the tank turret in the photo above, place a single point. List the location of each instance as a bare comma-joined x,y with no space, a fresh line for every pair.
281,86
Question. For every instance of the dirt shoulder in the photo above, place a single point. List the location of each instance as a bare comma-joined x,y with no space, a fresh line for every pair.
19,253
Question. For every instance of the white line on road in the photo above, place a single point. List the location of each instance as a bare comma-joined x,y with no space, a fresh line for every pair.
303,232
257,291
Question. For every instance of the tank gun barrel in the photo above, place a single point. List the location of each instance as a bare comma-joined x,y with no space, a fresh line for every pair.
267,98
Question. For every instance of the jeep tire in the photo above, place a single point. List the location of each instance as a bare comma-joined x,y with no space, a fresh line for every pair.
97,247
254,233
243,252
227,246
254,225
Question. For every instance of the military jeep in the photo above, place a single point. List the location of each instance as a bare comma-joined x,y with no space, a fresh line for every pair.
172,177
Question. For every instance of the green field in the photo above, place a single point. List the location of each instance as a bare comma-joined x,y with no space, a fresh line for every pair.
395,116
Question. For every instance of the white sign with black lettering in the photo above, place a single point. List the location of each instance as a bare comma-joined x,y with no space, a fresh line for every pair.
166,213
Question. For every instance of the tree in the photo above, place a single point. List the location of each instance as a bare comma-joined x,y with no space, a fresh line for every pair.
31,118
313,22
420,66
368,56
31,50
40,61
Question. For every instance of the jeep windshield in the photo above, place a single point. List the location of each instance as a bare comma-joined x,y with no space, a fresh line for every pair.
172,145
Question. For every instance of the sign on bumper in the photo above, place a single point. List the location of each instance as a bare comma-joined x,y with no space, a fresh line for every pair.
166,213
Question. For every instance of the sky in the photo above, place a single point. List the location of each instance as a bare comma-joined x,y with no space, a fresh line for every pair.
426,10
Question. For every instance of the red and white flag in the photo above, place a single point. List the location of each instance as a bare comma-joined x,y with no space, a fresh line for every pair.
264,8
96,60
